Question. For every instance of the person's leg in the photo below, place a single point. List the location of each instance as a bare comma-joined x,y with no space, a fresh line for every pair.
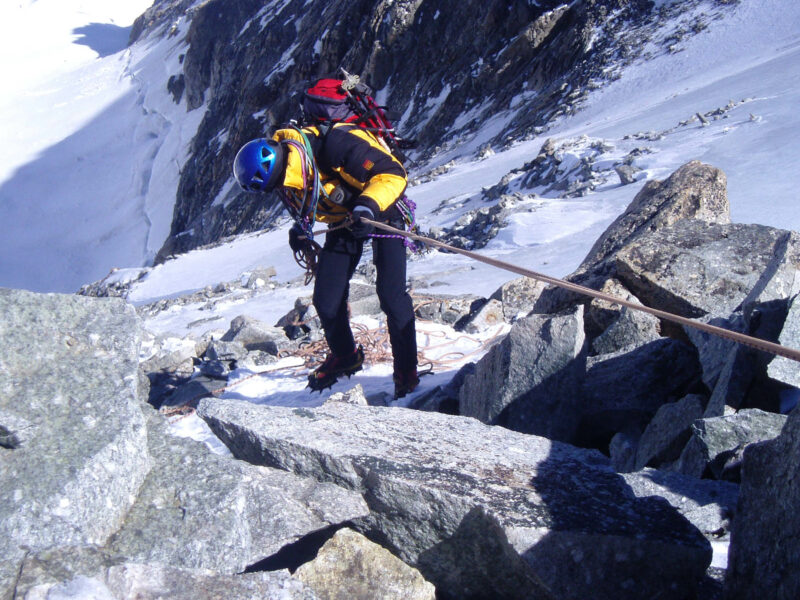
337,262
389,255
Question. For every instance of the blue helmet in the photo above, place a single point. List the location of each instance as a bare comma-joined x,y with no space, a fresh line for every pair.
259,165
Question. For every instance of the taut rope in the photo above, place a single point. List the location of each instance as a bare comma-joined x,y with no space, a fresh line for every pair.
727,334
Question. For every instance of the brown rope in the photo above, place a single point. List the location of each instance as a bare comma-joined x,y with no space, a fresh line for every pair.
308,256
727,334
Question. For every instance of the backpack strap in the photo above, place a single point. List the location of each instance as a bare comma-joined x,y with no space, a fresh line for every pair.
324,129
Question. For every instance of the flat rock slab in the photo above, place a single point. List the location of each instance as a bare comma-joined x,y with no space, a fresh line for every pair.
693,268
93,574
479,510
709,504
197,509
70,419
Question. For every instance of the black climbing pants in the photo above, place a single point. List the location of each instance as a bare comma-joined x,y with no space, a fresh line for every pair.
337,263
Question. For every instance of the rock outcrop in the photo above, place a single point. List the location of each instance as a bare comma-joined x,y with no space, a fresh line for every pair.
200,510
694,192
716,444
673,249
72,419
726,261
765,541
96,495
709,505
350,566
531,379
91,573
668,431
98,498
479,510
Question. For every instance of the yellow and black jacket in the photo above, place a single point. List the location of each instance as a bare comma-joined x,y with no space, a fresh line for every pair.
354,158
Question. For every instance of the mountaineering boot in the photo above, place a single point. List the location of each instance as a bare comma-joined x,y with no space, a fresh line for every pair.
325,375
405,382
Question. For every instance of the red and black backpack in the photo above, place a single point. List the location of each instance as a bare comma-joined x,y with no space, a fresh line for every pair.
332,100
326,101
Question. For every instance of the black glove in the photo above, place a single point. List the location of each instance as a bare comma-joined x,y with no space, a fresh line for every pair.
359,228
297,238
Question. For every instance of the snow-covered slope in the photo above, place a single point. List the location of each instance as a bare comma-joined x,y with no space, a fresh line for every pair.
92,150
750,59
742,74
91,162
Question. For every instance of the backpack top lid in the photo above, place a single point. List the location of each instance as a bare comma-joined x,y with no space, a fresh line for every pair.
328,91
326,101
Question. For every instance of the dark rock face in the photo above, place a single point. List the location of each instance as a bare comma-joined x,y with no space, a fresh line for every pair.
161,15
246,59
530,381
765,541
630,327
625,389
716,445
708,504
668,432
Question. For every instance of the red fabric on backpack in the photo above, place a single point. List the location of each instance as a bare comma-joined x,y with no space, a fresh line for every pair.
327,90
326,101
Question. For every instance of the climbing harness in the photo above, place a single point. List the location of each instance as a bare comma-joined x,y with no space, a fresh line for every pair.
303,206
727,334
407,209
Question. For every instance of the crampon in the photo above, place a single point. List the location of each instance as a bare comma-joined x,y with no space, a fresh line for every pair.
405,382
334,367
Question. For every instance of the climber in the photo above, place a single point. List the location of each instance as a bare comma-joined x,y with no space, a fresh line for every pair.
358,178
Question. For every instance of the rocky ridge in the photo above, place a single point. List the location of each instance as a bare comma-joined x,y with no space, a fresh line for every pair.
624,444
